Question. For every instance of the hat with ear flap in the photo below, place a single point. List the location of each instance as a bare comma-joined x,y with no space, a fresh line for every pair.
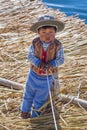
47,20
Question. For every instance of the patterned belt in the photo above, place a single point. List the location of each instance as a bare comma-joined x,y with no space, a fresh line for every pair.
41,72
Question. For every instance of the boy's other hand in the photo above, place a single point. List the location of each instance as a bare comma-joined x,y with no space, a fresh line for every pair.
45,66
42,65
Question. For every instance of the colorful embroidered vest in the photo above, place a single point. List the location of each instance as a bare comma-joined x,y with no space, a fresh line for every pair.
51,50
47,56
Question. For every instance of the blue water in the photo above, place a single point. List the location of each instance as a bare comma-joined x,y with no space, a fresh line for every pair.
70,7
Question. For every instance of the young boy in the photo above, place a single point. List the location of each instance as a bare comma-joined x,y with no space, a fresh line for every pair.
45,55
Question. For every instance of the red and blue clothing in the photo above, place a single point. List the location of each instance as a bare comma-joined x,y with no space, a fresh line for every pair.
36,90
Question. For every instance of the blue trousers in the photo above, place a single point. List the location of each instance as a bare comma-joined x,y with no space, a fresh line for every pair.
36,92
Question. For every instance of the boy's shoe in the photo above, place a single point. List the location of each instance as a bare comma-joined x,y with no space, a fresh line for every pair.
25,115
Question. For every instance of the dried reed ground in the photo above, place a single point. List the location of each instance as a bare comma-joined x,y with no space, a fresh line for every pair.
15,37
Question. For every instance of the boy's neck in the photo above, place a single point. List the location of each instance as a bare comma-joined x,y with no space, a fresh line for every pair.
46,42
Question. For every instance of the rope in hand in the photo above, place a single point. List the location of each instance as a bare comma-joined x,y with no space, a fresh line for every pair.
52,107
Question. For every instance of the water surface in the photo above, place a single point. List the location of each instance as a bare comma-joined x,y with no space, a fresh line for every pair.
70,7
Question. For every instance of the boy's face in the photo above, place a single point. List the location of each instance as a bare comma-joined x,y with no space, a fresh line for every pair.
47,34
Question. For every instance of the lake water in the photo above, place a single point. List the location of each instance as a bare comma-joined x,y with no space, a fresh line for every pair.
70,7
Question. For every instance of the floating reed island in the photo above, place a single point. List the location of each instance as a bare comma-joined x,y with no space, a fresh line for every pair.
16,17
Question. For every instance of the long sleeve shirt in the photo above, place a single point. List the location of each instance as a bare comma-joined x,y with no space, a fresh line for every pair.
55,62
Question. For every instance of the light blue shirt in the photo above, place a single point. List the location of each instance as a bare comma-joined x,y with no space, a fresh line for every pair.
55,62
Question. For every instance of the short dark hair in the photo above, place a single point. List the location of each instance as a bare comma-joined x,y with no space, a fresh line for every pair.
45,27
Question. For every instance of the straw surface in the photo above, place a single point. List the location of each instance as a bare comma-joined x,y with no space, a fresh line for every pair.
16,17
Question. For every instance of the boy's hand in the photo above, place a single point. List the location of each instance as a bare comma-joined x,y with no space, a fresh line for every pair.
48,65
42,65
45,66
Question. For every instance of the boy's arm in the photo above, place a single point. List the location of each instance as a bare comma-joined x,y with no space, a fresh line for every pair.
32,58
59,58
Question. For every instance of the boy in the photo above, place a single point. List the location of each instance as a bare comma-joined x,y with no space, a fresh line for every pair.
45,55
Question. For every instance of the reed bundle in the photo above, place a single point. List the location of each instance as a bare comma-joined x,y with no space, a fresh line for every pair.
16,17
